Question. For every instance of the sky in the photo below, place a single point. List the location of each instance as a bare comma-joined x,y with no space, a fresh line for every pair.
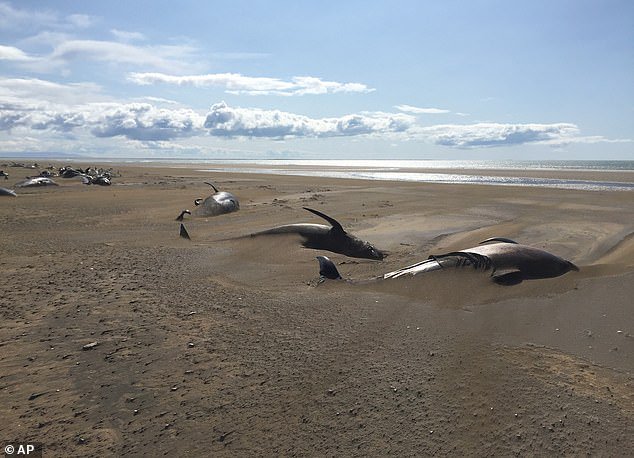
318,80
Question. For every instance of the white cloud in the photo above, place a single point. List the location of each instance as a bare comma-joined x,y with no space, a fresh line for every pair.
236,83
66,51
38,92
109,51
14,54
223,120
144,122
18,19
123,35
160,100
495,134
417,110
82,21
31,19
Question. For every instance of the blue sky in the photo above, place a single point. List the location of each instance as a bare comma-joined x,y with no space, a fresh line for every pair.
328,79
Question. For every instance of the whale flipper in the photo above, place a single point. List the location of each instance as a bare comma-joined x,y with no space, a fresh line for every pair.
508,278
336,225
327,268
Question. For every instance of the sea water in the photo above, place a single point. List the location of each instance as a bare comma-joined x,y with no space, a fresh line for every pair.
401,170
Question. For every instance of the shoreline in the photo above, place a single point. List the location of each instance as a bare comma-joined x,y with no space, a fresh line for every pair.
582,179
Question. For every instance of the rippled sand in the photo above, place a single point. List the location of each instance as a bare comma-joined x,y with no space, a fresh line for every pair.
228,346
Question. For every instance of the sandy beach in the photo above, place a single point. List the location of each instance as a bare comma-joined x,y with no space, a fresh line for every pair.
229,346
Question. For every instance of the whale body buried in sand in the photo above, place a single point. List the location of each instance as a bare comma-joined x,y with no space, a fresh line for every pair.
331,238
217,204
509,262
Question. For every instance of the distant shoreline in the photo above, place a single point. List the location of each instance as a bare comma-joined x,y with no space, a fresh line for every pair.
487,164
578,175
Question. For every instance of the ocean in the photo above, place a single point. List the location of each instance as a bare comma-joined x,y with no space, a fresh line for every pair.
402,170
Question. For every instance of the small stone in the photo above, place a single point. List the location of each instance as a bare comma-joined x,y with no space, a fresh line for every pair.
90,346
174,388
190,344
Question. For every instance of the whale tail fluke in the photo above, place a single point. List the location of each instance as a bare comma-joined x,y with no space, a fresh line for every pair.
183,232
327,268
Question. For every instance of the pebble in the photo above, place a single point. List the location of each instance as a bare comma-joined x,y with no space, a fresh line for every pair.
90,346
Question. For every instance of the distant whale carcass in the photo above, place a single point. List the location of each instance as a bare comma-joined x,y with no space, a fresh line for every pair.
217,204
35,182
509,262
331,238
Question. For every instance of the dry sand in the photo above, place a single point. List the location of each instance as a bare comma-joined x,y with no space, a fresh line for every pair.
215,347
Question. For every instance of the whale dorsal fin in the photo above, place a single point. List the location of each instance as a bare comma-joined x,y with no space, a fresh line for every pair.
498,239
183,232
327,268
212,185
333,222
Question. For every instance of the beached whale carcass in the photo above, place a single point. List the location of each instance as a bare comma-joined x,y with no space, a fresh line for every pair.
509,263
216,204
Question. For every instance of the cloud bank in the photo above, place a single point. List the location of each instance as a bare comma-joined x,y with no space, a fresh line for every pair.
235,83
146,122
29,105
495,134
226,121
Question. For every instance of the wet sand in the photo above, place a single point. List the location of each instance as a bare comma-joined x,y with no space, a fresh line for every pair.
229,346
